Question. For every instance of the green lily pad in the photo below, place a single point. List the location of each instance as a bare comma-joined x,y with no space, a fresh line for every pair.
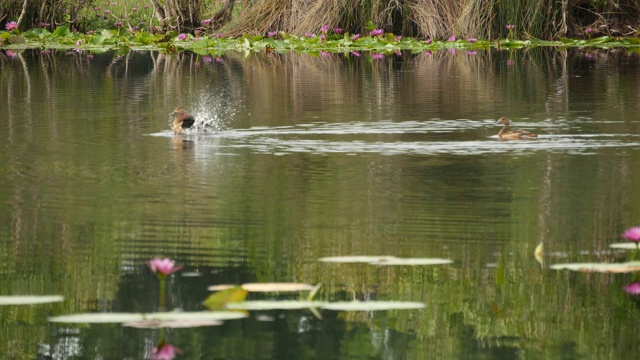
29,300
106,318
265,287
625,245
386,260
372,305
600,267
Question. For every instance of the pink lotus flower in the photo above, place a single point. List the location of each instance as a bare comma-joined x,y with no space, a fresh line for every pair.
633,288
165,352
11,25
163,267
376,32
632,234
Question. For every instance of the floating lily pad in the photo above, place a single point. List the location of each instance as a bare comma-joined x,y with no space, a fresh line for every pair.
104,318
356,259
266,287
626,246
339,306
274,305
386,260
412,261
29,300
600,267
175,324
373,305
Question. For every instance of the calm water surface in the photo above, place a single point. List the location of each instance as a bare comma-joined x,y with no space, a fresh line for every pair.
297,157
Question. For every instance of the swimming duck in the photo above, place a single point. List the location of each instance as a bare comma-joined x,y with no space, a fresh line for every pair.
505,134
181,120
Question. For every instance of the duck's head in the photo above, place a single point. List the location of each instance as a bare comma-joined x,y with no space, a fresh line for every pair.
179,111
503,120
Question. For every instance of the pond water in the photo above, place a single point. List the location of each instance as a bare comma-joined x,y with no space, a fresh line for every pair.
300,156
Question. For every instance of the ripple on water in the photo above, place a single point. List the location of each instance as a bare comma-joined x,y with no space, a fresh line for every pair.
304,138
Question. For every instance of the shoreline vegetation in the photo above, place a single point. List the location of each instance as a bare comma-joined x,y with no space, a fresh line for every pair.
381,26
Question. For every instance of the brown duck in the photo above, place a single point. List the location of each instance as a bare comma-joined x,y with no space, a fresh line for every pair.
505,134
181,120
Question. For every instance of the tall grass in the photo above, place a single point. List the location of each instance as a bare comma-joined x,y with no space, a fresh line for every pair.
544,19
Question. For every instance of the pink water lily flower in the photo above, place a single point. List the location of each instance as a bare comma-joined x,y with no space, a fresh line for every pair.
632,234
165,352
633,288
376,32
11,25
182,36
163,267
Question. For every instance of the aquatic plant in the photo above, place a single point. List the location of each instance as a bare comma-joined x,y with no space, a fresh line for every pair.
632,234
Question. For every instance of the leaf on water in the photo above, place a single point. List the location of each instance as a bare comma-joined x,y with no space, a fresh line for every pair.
110,318
625,245
386,260
29,299
174,324
373,305
275,305
219,300
600,267
266,287
412,261
538,254
355,259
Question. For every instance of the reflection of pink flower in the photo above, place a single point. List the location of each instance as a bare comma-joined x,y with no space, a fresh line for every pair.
182,36
11,25
325,54
376,32
207,59
632,234
163,267
472,52
633,288
510,62
219,60
355,53
10,53
377,56
165,352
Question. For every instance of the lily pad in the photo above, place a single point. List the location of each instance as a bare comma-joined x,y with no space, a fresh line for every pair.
600,267
274,305
412,261
29,300
266,287
356,259
625,245
373,305
106,318
386,260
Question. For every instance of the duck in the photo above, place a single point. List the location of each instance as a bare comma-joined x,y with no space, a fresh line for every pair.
182,120
505,134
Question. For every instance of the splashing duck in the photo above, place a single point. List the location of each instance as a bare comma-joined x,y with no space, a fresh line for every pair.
505,134
181,120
